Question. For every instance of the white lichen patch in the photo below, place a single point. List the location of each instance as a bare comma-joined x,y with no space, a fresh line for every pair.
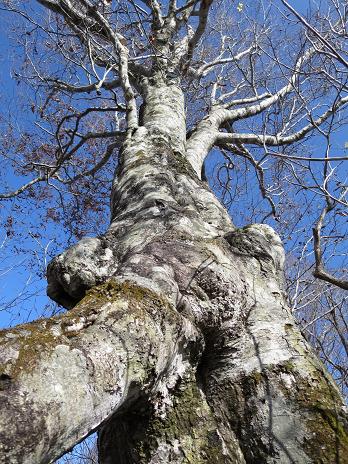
107,256
76,326
287,379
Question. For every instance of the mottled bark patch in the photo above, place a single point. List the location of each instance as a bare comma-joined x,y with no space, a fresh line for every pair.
28,423
258,241
186,434
78,269
26,346
320,405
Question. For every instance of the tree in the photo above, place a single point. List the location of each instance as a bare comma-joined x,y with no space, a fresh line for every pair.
179,344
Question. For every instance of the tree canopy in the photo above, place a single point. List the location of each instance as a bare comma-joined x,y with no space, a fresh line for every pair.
265,86
250,97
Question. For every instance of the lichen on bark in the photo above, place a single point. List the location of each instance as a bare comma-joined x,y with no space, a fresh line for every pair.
179,344
185,432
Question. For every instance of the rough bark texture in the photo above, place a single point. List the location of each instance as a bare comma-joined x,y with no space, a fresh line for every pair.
189,354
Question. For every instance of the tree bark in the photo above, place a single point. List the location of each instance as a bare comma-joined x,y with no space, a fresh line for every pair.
185,350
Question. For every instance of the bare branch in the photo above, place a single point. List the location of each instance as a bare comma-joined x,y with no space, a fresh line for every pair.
202,22
219,61
241,150
322,39
278,140
23,188
320,271
99,165
61,85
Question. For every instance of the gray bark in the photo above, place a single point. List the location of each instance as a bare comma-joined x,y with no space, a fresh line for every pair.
185,350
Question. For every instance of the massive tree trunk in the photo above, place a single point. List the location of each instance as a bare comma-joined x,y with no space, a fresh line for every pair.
179,346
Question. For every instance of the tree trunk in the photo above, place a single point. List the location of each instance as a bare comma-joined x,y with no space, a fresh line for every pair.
188,353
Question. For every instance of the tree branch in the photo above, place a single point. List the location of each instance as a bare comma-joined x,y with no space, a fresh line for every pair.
61,85
87,17
202,23
322,39
278,140
320,271
241,150
107,352
206,133
23,188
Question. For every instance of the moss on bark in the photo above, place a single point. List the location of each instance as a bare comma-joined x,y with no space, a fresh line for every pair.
37,339
185,433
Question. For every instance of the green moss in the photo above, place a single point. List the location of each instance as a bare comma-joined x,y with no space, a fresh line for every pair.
114,289
141,160
37,338
256,377
287,366
314,396
190,422
72,333
328,440
181,165
299,344
319,404
33,339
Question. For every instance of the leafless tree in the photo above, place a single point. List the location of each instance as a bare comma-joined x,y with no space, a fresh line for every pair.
180,343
